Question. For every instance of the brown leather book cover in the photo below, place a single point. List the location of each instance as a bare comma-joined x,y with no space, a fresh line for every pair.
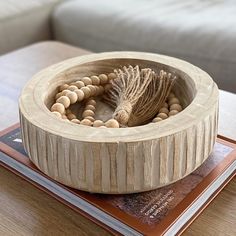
165,211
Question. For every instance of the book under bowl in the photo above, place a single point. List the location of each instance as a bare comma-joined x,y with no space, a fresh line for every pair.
164,211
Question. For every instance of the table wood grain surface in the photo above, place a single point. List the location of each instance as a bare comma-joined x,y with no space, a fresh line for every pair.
26,210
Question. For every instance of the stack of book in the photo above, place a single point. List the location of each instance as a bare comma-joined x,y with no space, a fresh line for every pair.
164,211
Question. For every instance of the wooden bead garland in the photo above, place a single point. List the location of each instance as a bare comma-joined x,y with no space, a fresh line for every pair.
57,114
86,88
76,121
80,95
86,81
170,108
95,80
86,122
79,84
64,100
98,123
58,107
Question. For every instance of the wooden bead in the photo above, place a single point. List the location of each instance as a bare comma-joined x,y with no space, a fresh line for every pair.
87,113
56,113
90,107
72,96
103,78
90,118
157,119
80,95
176,107
68,111
63,87
95,80
71,116
173,101
97,90
112,123
162,115
91,102
164,110
166,105
64,92
76,121
100,90
86,91
111,76
107,87
64,117
64,100
98,123
86,80
170,96
57,96
173,112
79,84
86,122
58,107
72,88
92,89
73,83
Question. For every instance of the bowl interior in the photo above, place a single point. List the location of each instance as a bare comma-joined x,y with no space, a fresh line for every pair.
184,87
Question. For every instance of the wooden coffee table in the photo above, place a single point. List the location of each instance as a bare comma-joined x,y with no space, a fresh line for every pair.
25,210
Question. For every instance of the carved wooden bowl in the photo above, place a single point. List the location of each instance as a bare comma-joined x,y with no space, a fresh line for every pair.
123,160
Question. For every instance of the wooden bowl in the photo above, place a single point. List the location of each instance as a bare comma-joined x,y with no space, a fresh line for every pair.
124,160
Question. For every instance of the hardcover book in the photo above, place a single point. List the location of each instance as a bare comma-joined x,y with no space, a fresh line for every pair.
164,211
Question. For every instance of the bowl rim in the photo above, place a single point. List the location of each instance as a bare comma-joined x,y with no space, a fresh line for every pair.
32,106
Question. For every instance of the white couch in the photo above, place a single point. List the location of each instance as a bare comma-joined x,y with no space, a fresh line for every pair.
24,22
201,32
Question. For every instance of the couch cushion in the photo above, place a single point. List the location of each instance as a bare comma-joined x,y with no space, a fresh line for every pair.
24,22
202,32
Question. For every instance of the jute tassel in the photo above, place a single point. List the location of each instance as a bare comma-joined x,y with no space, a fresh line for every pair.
137,95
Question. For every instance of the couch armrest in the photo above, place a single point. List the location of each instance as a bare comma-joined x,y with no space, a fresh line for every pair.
24,22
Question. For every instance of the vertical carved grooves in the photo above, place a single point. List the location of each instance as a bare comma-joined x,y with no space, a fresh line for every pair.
60,156
138,166
190,149
130,166
163,163
45,143
184,147
200,139
211,135
178,156
121,167
73,163
89,168
68,161
170,156
97,162
81,164
206,146
112,149
106,171
34,151
155,152
26,135
147,165
52,157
